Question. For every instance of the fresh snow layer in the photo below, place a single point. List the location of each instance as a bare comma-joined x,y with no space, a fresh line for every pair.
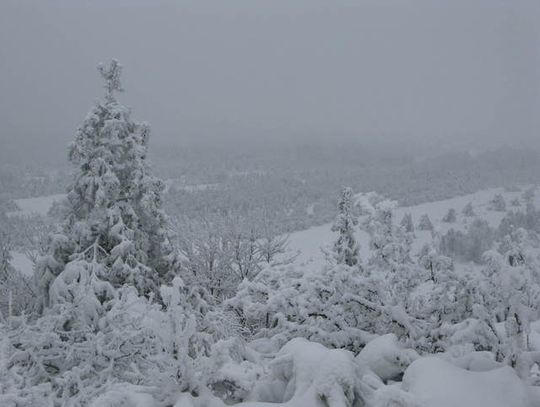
36,206
385,357
312,241
21,262
306,374
303,374
127,395
437,383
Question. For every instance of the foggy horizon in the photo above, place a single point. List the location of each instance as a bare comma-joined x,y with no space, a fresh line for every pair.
443,76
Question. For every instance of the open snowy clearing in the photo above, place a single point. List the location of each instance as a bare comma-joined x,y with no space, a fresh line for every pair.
312,242
36,206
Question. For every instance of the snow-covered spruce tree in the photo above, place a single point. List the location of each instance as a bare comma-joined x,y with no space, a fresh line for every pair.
391,275
407,223
511,294
96,340
512,247
498,203
468,210
345,247
528,195
434,262
450,216
114,204
390,244
425,223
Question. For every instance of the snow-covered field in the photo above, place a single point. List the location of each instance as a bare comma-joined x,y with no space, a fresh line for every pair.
312,242
307,374
36,206
21,262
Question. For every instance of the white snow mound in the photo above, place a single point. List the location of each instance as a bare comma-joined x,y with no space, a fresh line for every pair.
385,357
435,382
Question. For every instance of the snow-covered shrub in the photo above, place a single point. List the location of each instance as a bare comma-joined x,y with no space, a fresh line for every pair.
386,357
337,306
219,251
78,350
450,216
468,210
390,245
232,370
323,305
515,202
498,203
425,223
435,263
407,223
314,375
515,219
528,195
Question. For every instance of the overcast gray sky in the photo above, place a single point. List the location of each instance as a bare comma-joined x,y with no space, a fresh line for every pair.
416,70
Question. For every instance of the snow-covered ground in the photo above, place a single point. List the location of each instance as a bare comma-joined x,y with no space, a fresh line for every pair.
311,242
21,262
178,184
306,374
36,206
41,205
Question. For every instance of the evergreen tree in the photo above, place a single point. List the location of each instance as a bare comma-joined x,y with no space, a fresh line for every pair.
113,212
345,247
425,223
512,247
450,216
96,329
434,262
407,223
468,210
390,244
515,202
528,195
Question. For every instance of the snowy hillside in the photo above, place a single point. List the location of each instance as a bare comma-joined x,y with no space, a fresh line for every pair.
36,206
311,242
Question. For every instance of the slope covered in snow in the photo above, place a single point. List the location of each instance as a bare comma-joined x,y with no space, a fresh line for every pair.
312,242
36,206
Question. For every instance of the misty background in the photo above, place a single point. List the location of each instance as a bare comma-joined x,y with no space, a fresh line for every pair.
415,77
